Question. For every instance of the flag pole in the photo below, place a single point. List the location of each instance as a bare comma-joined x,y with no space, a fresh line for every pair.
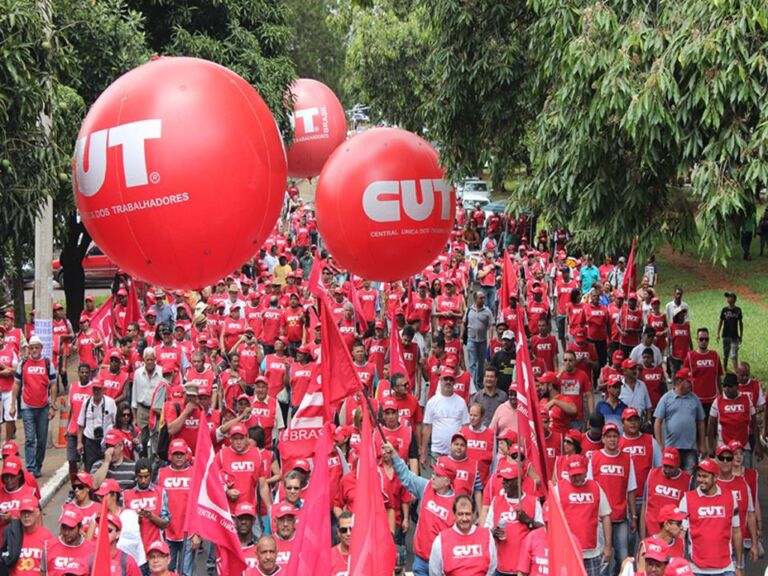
373,414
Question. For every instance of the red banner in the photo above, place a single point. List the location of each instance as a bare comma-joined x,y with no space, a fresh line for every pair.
564,553
339,376
103,320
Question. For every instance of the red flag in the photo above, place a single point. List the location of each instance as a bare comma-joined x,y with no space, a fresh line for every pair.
208,513
564,552
103,321
315,280
313,322
629,283
354,298
299,438
372,550
102,558
339,376
528,419
396,362
312,543
133,310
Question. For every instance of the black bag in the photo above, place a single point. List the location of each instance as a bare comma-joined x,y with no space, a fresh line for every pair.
164,439
11,548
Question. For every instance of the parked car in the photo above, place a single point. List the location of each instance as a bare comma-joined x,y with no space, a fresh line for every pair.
498,207
98,268
472,200
474,186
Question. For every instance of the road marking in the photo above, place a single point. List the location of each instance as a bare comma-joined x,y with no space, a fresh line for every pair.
48,491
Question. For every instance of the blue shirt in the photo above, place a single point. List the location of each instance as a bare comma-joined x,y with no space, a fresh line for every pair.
681,415
589,275
610,414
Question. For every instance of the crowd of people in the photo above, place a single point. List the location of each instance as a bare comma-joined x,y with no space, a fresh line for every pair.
650,439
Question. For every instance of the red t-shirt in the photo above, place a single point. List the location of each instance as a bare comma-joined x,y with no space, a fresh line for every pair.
706,369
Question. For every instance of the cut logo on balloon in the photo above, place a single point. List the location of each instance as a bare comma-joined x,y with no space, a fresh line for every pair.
311,130
403,193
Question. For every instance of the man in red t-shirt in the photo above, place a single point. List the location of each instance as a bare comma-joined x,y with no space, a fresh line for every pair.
706,370
544,345
732,416
577,385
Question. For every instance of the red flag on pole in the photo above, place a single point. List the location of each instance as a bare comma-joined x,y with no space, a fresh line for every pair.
528,419
396,362
339,376
372,550
299,438
629,283
133,310
564,551
315,281
312,544
354,298
208,513
103,321
102,558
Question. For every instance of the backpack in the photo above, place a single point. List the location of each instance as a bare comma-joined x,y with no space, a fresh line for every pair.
11,548
163,438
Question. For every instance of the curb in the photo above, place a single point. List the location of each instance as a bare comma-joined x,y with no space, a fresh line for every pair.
49,490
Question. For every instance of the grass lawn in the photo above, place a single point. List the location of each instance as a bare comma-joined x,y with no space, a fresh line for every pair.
704,285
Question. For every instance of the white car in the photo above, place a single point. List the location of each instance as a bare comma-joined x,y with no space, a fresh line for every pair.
474,186
472,200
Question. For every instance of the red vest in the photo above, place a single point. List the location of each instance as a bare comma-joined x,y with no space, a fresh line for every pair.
435,515
31,555
242,472
58,556
612,473
661,492
516,531
400,438
480,450
581,505
177,484
710,519
283,552
466,554
734,418
640,450
264,414
738,485
151,500
466,472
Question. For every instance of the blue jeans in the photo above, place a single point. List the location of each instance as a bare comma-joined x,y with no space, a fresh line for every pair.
182,553
476,359
420,566
620,536
490,297
35,437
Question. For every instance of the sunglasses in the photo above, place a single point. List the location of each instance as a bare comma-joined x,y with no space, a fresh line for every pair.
725,458
79,487
345,529
703,339
517,455
292,489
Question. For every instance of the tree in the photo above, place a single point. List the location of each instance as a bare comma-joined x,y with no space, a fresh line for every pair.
250,37
317,45
655,119
386,63
480,96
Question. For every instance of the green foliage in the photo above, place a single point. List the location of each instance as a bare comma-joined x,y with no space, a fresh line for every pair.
637,97
480,102
251,37
386,63
317,46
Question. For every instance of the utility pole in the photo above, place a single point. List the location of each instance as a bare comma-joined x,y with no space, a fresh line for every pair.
44,231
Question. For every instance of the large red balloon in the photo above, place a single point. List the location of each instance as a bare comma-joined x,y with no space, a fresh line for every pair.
319,126
180,172
383,208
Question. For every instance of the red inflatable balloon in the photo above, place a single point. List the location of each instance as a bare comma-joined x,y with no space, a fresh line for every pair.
319,126
383,208
180,172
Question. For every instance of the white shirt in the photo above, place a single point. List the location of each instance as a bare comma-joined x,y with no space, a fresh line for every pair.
446,415
95,415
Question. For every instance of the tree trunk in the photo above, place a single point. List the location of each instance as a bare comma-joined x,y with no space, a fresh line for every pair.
71,258
18,287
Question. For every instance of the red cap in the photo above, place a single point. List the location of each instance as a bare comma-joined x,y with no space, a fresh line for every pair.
549,377
245,509
159,546
86,479
580,334
178,446
283,509
458,435
301,464
10,448
656,550
58,306
12,465
710,466
151,312
389,404
243,396
574,435
451,361
618,357
655,299
678,567
97,383
115,521
113,438
683,374
610,426
123,292
29,504
628,364
447,372
70,517
632,296
670,457
238,429
445,468
671,512
509,435
735,445
379,324
115,354
723,448
618,294
89,298
108,486
84,318
508,472
629,413
576,465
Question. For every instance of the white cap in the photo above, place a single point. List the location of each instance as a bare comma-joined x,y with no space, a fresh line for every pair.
508,335
34,340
